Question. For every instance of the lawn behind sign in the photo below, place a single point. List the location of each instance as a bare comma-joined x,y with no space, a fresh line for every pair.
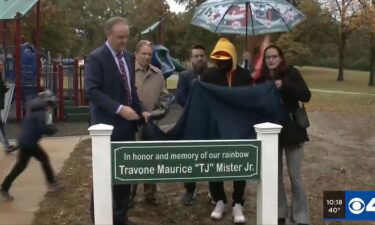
321,78
324,79
339,156
360,98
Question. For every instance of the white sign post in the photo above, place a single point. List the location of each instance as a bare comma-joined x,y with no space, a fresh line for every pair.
101,173
267,196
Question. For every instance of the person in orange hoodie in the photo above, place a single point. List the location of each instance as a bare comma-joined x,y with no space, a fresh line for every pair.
227,73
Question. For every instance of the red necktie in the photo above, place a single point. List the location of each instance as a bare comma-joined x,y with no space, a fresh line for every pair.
120,55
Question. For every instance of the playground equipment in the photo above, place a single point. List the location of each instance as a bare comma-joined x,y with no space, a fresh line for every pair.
63,77
13,11
162,59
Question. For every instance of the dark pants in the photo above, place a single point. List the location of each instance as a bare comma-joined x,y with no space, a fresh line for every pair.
24,156
218,193
190,187
150,190
120,193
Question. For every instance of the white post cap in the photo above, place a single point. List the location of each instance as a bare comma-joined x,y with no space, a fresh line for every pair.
268,128
100,130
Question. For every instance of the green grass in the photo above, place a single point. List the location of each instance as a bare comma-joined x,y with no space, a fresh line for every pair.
172,82
325,78
343,104
354,81
322,78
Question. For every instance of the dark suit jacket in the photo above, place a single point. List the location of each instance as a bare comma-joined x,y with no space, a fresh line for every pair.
105,91
184,84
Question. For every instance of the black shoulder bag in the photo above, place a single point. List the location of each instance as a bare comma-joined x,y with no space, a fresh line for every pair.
300,117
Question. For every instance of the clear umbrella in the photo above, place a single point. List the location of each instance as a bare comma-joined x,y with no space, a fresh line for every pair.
247,17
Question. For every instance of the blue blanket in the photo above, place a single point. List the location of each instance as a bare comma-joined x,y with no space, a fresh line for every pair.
216,112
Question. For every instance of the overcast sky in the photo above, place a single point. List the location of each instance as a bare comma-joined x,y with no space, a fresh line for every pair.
175,7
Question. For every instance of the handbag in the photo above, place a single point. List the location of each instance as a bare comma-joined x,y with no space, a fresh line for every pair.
300,117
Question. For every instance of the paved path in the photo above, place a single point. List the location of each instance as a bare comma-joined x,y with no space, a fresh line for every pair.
30,187
341,92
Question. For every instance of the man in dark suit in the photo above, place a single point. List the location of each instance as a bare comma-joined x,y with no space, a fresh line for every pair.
110,88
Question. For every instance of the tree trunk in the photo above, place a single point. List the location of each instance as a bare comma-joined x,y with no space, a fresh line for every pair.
372,56
372,61
342,45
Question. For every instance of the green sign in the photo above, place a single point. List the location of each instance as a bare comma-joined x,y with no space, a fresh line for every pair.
184,161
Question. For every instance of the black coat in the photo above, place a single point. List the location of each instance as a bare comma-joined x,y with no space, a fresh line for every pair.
213,75
294,89
34,125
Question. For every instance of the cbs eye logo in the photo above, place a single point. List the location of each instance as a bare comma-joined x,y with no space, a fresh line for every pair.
357,206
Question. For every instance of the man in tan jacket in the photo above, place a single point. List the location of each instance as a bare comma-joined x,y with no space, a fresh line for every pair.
152,91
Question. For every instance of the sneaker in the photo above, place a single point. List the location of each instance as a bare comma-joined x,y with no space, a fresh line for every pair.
188,198
5,196
55,186
219,210
11,148
238,217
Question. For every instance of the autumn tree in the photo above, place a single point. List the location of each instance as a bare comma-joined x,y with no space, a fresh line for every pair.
57,33
343,13
88,17
190,4
181,35
366,21
146,13
72,27
306,42
178,35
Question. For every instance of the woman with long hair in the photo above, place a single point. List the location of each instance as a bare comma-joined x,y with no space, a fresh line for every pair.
293,90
